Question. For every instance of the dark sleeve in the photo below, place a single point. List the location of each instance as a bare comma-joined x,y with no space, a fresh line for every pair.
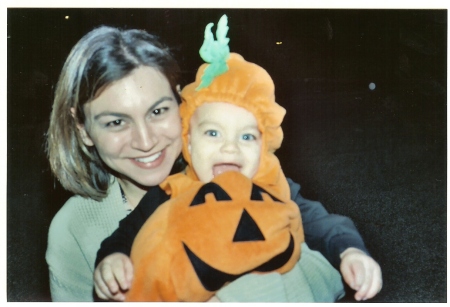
330,234
122,238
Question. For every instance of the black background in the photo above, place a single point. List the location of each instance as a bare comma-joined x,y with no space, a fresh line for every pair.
378,156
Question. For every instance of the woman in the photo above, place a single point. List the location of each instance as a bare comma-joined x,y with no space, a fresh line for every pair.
114,132
107,149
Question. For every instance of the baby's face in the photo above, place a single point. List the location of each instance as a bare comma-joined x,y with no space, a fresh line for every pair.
224,137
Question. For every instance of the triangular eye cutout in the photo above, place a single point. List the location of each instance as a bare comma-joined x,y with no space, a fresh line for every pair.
210,187
247,229
257,194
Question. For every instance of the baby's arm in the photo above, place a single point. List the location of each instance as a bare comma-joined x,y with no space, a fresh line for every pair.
330,234
113,277
361,272
122,238
337,238
113,267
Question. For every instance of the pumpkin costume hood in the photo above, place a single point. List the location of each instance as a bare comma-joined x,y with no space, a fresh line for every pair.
245,85
209,234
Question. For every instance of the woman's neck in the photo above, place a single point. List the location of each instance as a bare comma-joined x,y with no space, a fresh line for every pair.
133,193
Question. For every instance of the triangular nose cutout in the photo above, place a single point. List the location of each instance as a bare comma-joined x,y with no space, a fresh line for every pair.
247,229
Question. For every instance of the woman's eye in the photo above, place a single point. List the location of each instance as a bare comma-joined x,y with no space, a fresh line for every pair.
159,111
213,133
114,123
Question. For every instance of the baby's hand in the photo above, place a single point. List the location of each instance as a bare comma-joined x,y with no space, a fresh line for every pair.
361,273
113,276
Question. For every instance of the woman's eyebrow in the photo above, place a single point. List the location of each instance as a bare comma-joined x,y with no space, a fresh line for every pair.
123,115
158,102
107,113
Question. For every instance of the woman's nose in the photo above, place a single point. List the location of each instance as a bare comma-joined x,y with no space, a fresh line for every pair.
144,137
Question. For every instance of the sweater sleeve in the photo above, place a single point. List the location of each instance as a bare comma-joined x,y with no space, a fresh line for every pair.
122,238
330,234
70,276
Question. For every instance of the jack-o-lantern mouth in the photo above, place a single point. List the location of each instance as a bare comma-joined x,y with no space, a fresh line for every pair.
213,279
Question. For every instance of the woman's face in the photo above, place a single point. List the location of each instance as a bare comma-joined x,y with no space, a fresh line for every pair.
135,125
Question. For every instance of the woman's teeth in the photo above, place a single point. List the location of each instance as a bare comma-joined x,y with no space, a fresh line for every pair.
149,159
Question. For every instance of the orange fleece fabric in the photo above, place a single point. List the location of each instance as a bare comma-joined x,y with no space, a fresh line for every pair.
209,234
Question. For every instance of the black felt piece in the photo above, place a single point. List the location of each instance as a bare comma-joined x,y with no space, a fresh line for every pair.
279,260
257,194
247,229
211,278
210,187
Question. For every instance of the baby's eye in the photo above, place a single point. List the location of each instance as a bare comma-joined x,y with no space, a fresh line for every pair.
249,137
213,133
114,123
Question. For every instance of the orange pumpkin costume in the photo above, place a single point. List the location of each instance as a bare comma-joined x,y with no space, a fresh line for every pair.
209,234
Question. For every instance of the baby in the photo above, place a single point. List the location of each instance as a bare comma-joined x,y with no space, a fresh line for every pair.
231,129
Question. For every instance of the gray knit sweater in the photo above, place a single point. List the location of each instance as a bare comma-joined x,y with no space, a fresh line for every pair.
80,226
75,235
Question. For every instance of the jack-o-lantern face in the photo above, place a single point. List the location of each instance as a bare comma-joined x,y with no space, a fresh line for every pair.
213,234
246,231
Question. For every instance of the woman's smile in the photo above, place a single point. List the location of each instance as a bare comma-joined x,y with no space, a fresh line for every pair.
149,159
150,162
144,140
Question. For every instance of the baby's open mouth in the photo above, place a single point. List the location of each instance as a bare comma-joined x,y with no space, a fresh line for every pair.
225,167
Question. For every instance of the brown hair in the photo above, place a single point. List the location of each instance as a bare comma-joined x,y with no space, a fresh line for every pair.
101,57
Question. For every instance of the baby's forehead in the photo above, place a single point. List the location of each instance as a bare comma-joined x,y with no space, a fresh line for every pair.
220,111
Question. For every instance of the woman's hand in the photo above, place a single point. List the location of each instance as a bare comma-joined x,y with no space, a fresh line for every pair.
113,277
361,272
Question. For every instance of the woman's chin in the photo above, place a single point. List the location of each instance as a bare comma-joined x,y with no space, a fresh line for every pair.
151,180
